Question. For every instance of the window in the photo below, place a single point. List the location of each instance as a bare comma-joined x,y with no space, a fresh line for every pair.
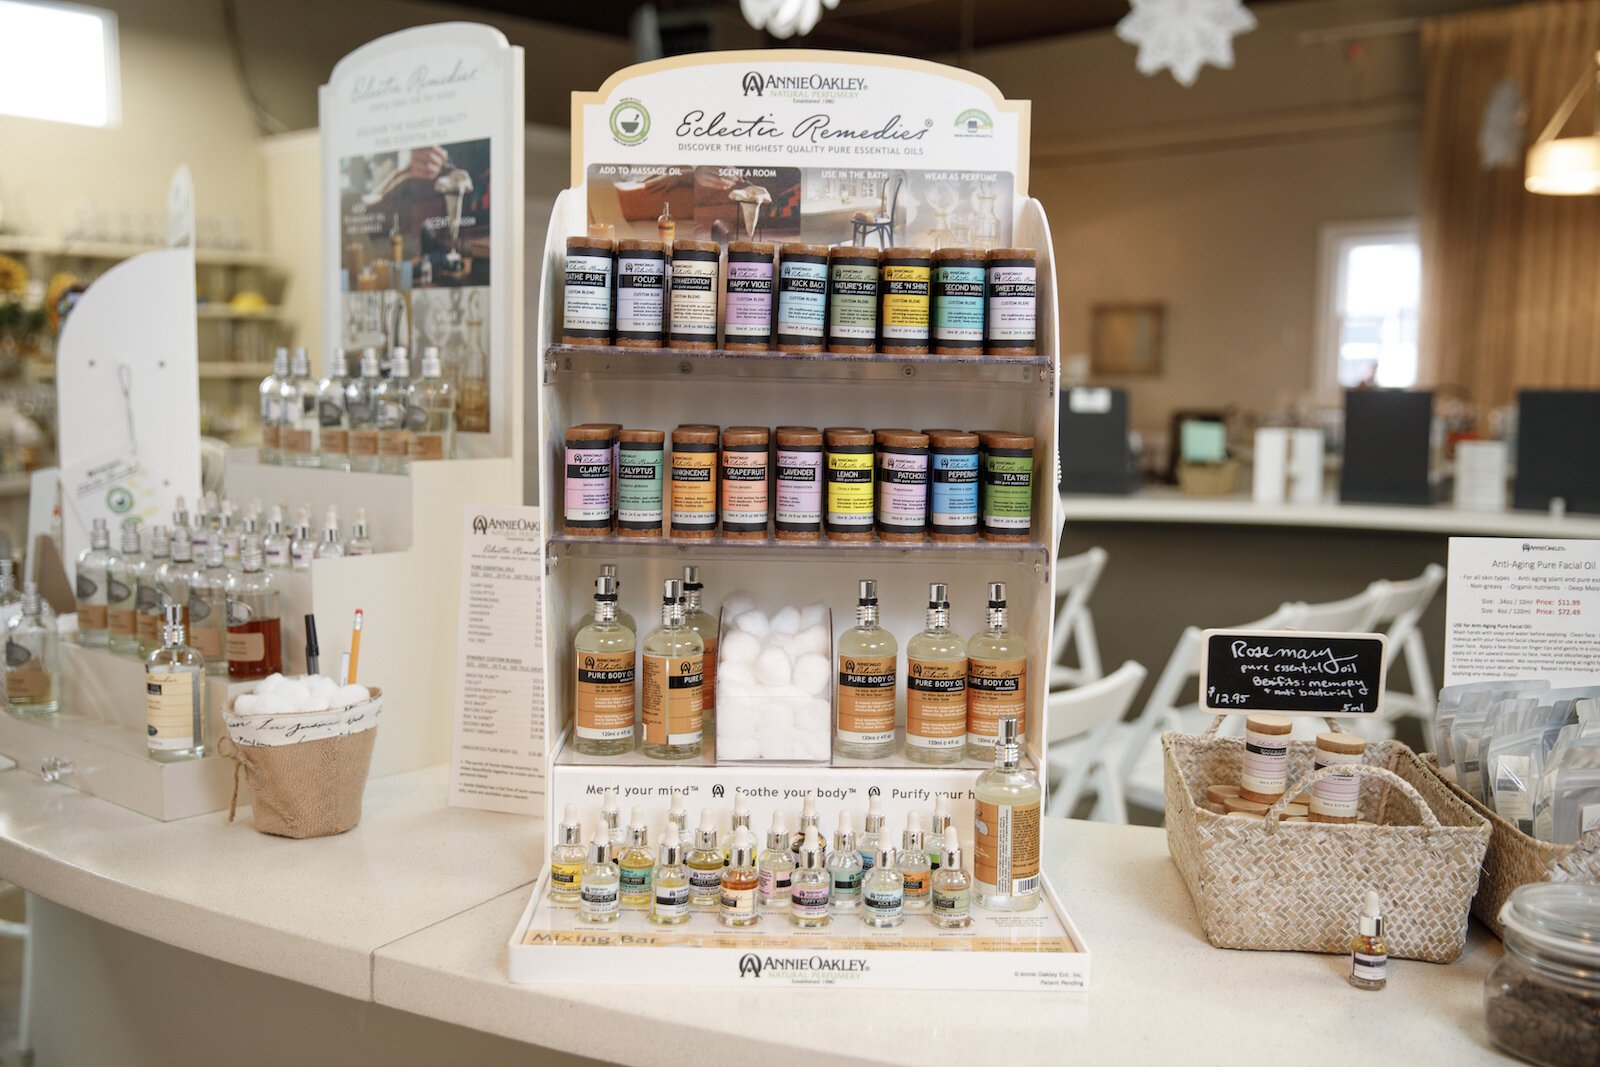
1371,287
59,62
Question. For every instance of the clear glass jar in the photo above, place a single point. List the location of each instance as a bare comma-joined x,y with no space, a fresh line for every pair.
1542,999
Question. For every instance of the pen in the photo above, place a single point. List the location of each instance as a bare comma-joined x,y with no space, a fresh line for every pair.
355,648
313,653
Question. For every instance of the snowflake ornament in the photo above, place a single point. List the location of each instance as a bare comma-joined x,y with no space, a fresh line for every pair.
785,18
1184,35
1503,129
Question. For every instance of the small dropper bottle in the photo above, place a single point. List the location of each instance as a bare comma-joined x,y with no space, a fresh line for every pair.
808,891
810,822
1369,953
741,821
776,866
705,863
867,840
740,883
303,548
677,814
275,544
599,899
915,871
883,891
567,858
611,819
952,885
844,867
941,823
330,547
636,863
360,543
669,901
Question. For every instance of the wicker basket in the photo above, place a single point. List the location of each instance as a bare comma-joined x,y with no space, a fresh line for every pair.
1262,884
1514,858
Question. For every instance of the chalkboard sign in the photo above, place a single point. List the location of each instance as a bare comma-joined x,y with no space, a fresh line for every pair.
1292,672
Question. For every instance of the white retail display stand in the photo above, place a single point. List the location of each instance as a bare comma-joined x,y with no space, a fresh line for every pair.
661,389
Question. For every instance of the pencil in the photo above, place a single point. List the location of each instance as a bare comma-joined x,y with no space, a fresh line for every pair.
355,648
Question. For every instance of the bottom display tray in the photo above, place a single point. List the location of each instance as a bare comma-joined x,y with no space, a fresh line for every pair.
1037,950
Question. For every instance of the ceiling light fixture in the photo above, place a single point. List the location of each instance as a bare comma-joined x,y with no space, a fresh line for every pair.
1566,166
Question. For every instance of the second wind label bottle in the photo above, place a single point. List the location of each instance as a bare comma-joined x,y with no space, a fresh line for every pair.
868,660
674,671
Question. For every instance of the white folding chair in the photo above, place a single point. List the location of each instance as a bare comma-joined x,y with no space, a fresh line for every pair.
1399,606
1076,576
1080,721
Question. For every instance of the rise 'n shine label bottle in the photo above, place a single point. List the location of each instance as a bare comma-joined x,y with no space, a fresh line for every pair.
997,678
936,687
1005,859
868,668
674,670
604,660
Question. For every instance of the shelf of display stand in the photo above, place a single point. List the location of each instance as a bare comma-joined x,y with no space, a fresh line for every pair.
769,547
567,756
580,361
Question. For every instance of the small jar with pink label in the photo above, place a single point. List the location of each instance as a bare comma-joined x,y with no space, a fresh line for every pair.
1264,774
902,485
747,297
798,493
746,483
588,470
1337,798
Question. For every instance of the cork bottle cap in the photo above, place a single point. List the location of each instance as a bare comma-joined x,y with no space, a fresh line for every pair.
633,244
952,438
797,248
1012,253
924,255
799,435
588,434
902,438
643,437
958,252
1004,439
695,246
745,435
696,434
1344,744
584,243
848,435
854,254
1268,724
760,248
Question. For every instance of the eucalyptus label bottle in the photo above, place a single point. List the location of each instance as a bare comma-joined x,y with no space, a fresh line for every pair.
604,660
936,687
868,668
997,678
674,670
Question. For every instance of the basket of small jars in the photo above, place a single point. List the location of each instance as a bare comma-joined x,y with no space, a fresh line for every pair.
1542,998
1265,874
304,746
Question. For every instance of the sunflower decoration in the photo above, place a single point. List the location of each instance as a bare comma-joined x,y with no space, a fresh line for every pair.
13,276
21,317
61,283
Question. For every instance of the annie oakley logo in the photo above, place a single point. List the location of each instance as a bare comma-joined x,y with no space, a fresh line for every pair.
482,525
815,129
421,80
752,966
754,83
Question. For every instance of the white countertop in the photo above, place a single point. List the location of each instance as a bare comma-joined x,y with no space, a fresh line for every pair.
414,907
1163,505
313,911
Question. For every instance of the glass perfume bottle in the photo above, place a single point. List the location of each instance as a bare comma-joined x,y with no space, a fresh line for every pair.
868,668
333,431
9,593
1369,953
636,863
997,678
389,401
225,531
669,894
810,822
329,546
941,823
702,622
208,610
952,885
604,661
705,862
175,695
33,658
275,543
360,542
666,226
673,672
609,570
147,591
567,857
361,414
271,407
472,402
916,874
254,645
611,822
845,870
199,528
741,821
599,898
301,421
122,584
740,882
431,412
936,687
809,888
872,832
883,891
93,584
173,577
776,866
1005,856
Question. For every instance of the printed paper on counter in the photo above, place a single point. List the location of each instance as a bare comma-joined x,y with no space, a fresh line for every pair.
1522,609
497,748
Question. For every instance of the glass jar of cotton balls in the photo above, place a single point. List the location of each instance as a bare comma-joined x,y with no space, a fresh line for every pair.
774,682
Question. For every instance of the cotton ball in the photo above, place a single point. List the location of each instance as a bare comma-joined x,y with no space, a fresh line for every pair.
814,614
772,668
811,639
245,704
737,604
737,672
811,674
738,749
815,746
786,621
737,719
315,703
269,683
291,690
753,622
275,703
322,685
813,719
352,694
738,647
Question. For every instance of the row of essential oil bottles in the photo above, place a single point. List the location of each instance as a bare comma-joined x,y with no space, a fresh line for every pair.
956,690
360,418
796,874
231,613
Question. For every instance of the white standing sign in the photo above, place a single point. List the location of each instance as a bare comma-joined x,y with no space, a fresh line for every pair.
422,158
1522,609
497,751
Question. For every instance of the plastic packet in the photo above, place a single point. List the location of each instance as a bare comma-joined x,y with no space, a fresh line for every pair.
1452,697
1567,798
1513,765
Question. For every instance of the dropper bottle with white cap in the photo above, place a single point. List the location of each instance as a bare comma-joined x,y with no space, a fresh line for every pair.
808,891
741,821
1369,953
431,411
599,899
776,867
611,820
952,885
636,863
809,821
867,840
329,546
883,891
360,542
275,545
567,857
361,413
705,861
845,870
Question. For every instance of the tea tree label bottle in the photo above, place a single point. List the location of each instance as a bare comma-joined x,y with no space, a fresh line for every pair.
936,687
604,660
868,667
1006,853
674,672
997,677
